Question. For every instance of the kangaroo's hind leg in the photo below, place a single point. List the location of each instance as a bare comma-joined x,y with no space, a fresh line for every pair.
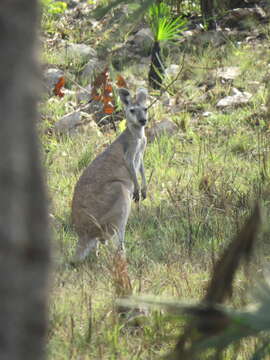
115,220
85,246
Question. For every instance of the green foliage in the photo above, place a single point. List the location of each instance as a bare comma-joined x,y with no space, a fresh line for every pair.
84,160
54,7
163,26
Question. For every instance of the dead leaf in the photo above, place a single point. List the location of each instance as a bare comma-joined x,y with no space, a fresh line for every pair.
121,82
103,90
58,86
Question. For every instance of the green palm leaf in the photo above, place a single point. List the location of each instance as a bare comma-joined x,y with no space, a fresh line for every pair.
162,25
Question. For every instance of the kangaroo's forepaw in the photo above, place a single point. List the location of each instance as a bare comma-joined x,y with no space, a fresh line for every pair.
143,194
136,196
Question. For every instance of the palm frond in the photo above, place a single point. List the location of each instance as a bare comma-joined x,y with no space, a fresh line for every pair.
162,25
169,30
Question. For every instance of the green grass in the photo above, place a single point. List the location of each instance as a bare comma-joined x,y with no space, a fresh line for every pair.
203,181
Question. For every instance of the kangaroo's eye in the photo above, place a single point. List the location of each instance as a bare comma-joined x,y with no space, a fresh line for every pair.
145,109
132,111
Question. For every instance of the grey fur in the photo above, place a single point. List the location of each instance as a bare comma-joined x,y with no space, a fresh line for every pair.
102,197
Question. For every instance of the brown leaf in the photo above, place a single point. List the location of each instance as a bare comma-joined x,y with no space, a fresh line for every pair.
101,79
108,109
58,86
103,90
121,82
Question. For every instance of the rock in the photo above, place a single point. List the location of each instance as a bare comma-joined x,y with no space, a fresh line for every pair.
238,98
172,70
167,100
76,122
207,114
135,81
143,40
145,61
68,122
81,52
88,125
216,38
243,18
228,73
162,127
51,77
83,95
90,68
68,92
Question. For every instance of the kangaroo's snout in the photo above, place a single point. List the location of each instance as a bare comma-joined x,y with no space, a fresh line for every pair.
142,121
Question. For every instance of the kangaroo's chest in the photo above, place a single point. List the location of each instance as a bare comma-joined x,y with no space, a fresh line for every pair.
139,153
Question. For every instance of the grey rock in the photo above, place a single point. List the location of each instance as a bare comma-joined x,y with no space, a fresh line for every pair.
238,98
76,122
81,52
68,122
207,114
89,125
90,68
162,127
228,73
243,18
216,38
51,77
167,100
143,40
172,70
83,95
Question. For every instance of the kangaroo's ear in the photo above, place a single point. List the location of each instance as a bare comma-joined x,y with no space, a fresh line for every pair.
141,96
124,96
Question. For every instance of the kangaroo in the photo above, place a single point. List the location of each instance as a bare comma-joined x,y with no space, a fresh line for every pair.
102,196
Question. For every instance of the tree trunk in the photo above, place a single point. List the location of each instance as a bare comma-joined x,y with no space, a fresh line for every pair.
24,249
233,4
156,71
208,13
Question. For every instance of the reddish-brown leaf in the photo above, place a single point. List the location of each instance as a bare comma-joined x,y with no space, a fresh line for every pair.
58,86
121,82
95,95
103,90
100,81
108,108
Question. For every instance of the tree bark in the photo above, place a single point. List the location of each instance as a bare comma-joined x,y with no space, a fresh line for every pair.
155,75
24,249
208,12
232,4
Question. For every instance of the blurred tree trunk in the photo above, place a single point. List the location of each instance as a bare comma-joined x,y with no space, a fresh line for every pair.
156,71
208,12
24,248
232,4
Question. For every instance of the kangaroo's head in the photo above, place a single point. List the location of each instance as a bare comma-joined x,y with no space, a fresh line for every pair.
136,110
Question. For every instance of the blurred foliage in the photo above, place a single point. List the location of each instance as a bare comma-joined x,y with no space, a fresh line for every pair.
54,7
